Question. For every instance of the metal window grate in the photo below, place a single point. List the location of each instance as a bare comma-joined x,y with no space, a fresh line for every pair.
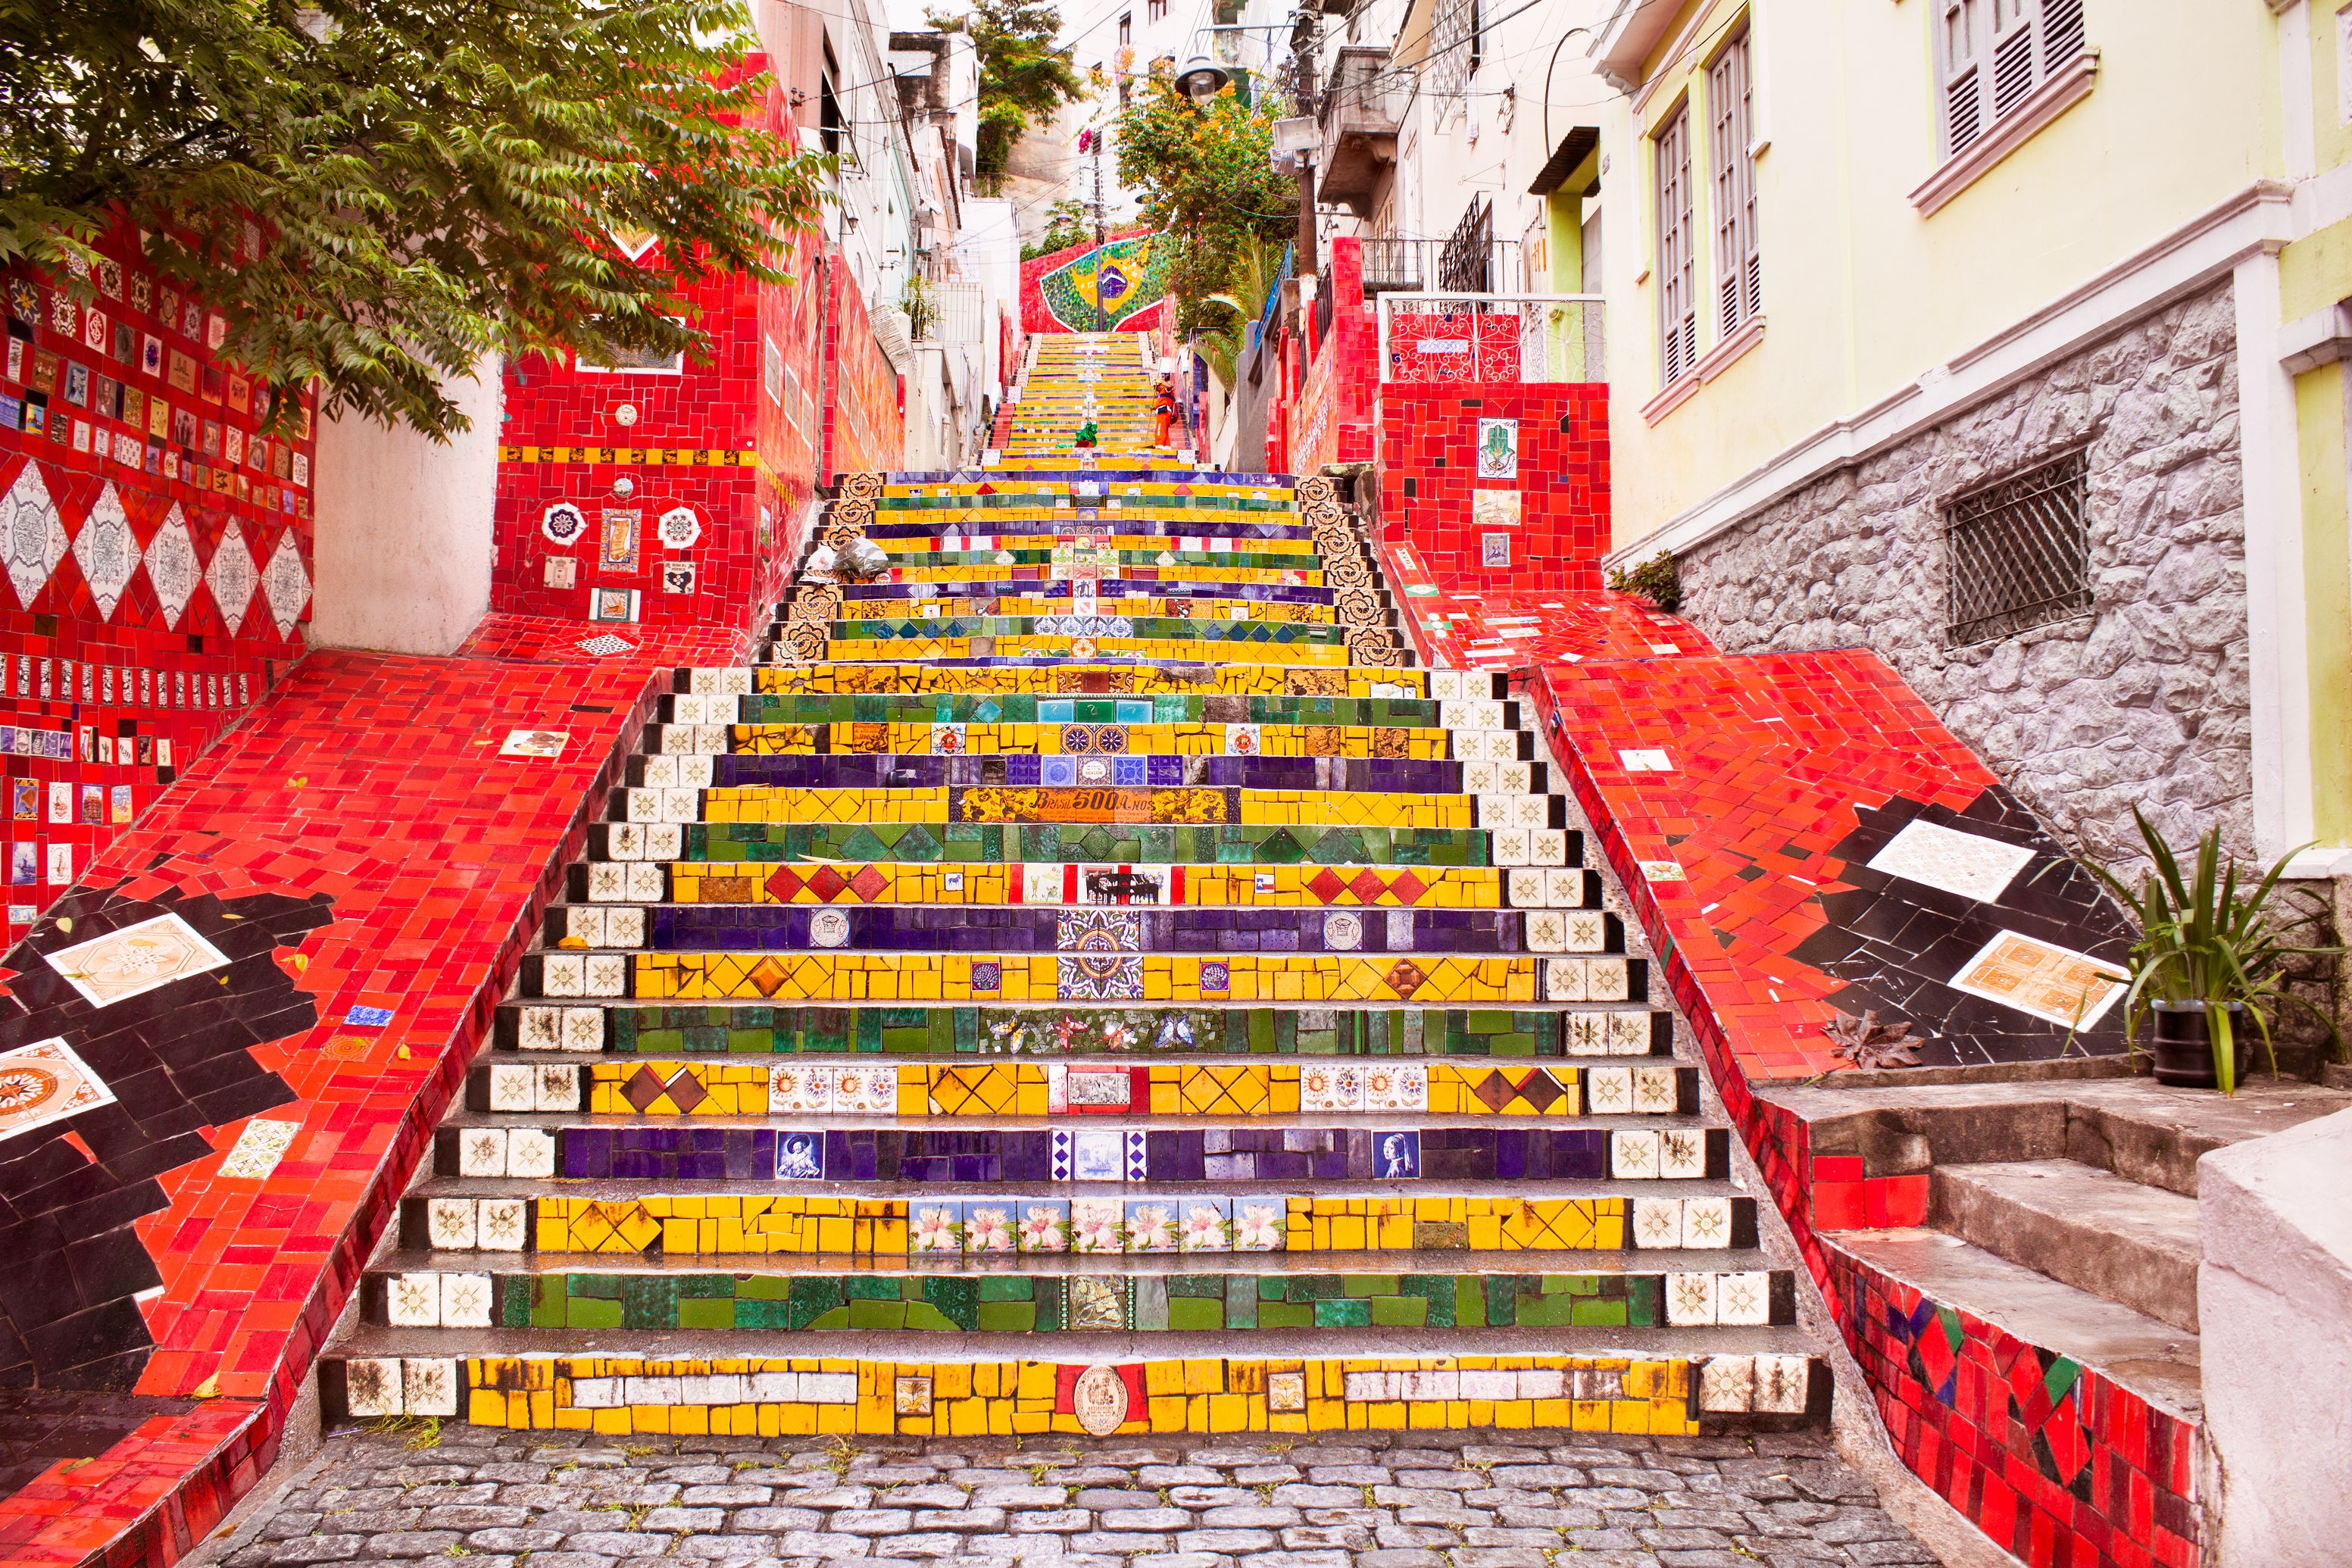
1465,265
2016,553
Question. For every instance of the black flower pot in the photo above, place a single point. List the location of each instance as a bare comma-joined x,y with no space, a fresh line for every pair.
2183,1046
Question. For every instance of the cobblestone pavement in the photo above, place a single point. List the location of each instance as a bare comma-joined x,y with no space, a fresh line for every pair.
1481,1500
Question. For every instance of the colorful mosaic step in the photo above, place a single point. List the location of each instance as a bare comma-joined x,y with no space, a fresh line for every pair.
987,708
443,1222
825,1040
1079,678
758,1029
645,844
1052,883
1027,1302
641,1086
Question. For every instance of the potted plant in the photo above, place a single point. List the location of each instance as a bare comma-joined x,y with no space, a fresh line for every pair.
2212,957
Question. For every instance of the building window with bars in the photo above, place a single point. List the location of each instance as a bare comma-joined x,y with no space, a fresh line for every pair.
2017,551
1454,43
1991,54
1677,283
1155,10
1739,268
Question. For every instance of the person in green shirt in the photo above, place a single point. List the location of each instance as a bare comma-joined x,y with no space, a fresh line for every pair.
1087,434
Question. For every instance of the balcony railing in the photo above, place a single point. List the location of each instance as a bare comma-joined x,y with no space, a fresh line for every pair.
1444,337
1363,104
1416,265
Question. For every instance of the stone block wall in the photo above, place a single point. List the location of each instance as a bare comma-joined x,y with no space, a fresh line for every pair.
2144,699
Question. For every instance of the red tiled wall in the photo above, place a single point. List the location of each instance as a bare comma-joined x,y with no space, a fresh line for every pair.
1428,474
865,416
2055,1462
1332,420
740,446
109,694
2060,1465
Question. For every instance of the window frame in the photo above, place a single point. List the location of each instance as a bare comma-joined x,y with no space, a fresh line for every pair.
1739,251
1676,261
1992,58
1968,522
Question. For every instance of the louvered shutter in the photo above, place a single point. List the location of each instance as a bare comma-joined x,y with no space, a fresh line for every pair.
1738,266
1993,53
1678,294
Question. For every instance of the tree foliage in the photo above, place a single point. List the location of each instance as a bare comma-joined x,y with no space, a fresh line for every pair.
1203,174
1065,226
1024,78
432,180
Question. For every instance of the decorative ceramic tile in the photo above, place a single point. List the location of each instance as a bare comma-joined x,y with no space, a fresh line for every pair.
258,1150
135,959
1690,1300
43,1083
1098,1224
800,1155
2047,982
1967,864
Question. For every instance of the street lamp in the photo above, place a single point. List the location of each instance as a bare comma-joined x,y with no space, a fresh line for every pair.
1202,79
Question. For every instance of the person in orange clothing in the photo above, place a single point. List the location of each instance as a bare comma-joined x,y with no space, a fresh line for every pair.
1165,415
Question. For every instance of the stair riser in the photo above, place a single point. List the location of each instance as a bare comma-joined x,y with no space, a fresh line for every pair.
1239,1157
1383,1235
1660,1395
844,1034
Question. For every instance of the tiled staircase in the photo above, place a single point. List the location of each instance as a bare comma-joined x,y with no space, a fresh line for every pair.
1084,983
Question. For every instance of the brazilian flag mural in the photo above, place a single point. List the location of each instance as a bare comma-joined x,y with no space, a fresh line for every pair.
1099,289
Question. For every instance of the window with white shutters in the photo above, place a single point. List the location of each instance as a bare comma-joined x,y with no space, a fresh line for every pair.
1993,53
1677,292
1738,272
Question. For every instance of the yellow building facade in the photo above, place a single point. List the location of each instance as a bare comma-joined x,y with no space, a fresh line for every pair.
2005,337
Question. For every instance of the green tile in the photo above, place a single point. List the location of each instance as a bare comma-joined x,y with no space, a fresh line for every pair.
586,1312
1002,1317
1342,1313
1400,1311
704,1312
1196,1312
872,1314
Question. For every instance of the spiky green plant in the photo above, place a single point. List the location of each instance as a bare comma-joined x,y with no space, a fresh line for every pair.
2208,941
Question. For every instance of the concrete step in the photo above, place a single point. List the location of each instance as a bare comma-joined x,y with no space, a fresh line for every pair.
2154,1359
2084,1227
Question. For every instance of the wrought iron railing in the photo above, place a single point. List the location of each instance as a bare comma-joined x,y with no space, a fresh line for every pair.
1449,336
1411,266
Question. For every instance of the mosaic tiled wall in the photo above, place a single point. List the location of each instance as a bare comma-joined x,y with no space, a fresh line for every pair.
1059,293
259,1043
2055,1460
1824,771
1497,485
864,413
156,541
1331,421
665,495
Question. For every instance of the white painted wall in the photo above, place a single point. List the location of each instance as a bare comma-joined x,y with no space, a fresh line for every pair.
403,540
2274,1298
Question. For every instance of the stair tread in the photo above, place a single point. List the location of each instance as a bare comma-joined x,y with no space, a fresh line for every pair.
886,1344
2153,1359
616,1189
2082,1225
1599,1261
2089,1198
